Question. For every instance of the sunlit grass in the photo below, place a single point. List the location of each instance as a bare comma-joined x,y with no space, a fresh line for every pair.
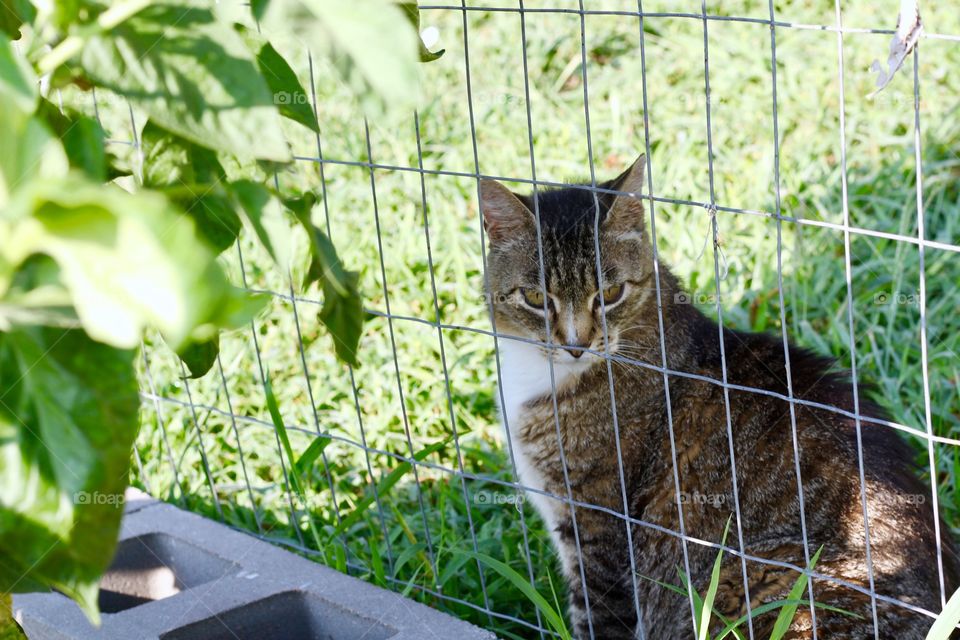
389,539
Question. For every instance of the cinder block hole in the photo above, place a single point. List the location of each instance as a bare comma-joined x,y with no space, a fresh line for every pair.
290,614
156,566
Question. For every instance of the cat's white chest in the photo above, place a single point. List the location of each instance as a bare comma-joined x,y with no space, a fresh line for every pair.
525,375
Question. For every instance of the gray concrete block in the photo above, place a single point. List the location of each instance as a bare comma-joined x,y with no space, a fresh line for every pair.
179,576
134,499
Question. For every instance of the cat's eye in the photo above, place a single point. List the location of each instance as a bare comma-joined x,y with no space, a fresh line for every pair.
612,294
533,297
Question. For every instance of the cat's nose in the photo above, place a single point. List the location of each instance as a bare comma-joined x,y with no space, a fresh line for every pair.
575,350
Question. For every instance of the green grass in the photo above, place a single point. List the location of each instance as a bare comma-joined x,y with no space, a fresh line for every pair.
704,610
376,529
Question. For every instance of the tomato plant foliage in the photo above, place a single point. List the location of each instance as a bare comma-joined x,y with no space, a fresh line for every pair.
93,251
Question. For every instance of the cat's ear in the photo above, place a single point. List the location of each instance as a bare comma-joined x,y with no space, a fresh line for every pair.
504,215
626,212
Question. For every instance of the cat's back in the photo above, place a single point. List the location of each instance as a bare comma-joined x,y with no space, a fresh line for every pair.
817,453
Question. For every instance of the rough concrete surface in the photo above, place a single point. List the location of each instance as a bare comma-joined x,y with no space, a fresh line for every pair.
179,576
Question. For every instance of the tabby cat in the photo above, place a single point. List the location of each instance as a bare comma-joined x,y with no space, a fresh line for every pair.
603,603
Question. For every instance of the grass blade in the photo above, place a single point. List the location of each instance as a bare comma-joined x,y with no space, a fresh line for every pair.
385,485
406,556
785,617
690,592
707,608
293,479
376,563
451,568
281,428
311,454
773,606
553,618
947,620
731,627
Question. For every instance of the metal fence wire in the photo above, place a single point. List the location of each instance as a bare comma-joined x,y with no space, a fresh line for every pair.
418,479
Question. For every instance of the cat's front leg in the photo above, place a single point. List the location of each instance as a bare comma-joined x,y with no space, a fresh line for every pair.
612,613
607,609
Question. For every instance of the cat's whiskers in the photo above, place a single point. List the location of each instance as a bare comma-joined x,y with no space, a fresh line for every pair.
636,351
635,326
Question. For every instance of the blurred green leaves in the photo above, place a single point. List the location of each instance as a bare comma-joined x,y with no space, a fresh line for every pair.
67,422
370,42
200,356
193,76
193,176
13,13
128,261
84,268
17,80
86,265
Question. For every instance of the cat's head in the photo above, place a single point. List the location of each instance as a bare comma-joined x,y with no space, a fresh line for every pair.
575,299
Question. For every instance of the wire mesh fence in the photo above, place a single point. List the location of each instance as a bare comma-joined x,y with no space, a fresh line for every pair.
831,219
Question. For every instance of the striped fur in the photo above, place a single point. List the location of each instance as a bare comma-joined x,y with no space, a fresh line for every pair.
902,544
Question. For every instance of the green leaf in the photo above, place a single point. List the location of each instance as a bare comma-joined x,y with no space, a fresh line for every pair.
697,600
262,213
293,478
411,583
84,144
193,75
67,423
169,159
412,11
27,150
406,556
948,619
82,137
452,568
127,260
326,267
703,607
342,315
687,592
200,356
67,12
13,14
376,563
342,310
288,93
17,80
731,627
215,218
372,44
301,206
308,457
258,8
194,177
